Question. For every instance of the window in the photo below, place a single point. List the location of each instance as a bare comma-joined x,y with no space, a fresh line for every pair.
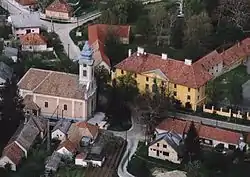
157,144
33,31
84,73
146,86
84,65
122,72
162,83
46,104
198,97
198,89
166,153
212,67
175,85
135,75
65,107
147,79
188,97
175,93
216,70
189,89
164,146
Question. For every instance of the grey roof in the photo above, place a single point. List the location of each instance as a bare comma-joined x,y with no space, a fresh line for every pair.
26,20
62,125
10,51
27,133
5,71
172,138
53,162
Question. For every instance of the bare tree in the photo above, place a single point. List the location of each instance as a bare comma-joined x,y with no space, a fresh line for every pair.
236,12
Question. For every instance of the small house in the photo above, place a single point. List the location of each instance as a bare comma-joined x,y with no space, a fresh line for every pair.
11,52
67,149
28,4
53,162
33,42
166,146
59,9
60,130
25,23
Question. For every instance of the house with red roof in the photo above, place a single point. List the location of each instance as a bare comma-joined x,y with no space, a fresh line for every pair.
59,9
97,35
209,136
29,4
67,149
33,42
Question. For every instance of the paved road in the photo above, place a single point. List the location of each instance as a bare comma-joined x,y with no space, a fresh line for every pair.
207,121
61,29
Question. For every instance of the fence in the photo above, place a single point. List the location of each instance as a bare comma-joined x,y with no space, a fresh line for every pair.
225,113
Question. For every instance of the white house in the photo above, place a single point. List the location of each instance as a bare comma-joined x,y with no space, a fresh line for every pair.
166,146
33,42
67,149
60,130
79,160
25,23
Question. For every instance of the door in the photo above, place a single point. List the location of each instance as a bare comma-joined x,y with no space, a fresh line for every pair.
157,153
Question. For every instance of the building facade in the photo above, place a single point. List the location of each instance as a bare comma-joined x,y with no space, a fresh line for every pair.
59,94
59,9
33,42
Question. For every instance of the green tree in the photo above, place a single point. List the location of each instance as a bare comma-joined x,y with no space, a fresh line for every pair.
196,169
192,147
212,93
114,49
143,26
234,91
197,30
11,107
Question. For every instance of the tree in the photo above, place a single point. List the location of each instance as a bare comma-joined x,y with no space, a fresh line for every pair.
196,169
143,26
212,93
191,144
127,88
235,12
120,12
198,29
234,90
193,7
11,106
114,48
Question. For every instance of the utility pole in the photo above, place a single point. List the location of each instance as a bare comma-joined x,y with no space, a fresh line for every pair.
68,50
48,137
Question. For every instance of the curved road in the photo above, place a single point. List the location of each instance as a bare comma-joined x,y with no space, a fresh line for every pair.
61,29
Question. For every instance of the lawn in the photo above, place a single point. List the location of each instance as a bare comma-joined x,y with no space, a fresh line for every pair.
141,160
33,166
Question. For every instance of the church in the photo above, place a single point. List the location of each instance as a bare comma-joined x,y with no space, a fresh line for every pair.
61,95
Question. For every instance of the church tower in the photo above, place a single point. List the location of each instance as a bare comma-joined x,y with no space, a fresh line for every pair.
86,65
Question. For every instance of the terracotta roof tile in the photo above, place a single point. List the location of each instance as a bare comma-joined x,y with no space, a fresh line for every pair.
13,152
68,145
81,156
177,72
52,83
93,129
27,2
33,39
210,60
60,6
204,131
97,35
29,104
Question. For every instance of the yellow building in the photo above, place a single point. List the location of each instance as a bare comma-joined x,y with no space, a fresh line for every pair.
184,80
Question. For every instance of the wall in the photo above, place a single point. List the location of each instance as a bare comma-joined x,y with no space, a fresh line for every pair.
216,70
57,134
5,160
34,47
81,162
23,31
59,15
197,96
225,113
152,152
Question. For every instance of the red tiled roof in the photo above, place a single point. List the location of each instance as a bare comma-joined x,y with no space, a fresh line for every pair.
60,6
204,131
13,152
93,129
33,39
68,145
26,2
239,50
210,60
81,156
97,35
193,76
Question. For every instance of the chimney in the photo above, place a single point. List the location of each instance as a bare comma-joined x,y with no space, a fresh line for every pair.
188,62
129,52
140,50
164,56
